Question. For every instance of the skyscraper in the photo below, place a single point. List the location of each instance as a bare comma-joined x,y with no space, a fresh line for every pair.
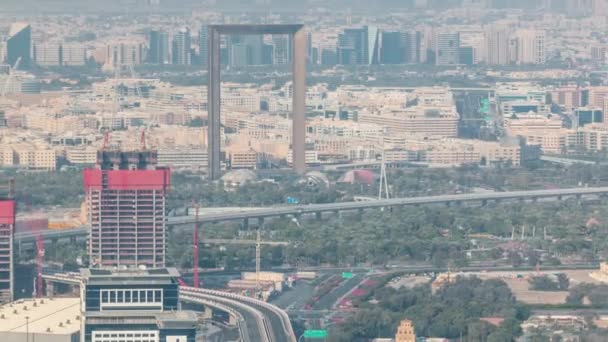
246,50
411,42
282,49
359,46
126,198
392,48
7,229
203,46
181,47
158,52
448,45
19,45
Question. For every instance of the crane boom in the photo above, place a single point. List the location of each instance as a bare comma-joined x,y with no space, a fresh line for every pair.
243,242
258,247
10,75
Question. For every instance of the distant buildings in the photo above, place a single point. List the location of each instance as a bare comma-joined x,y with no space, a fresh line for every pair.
124,53
181,47
19,45
158,48
359,46
59,54
447,50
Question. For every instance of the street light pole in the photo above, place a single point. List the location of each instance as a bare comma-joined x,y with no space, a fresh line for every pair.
27,328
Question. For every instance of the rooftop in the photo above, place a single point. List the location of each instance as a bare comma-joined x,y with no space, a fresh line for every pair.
129,275
50,316
17,27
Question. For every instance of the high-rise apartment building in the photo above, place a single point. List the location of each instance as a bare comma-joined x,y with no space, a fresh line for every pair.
181,51
447,51
158,51
19,45
126,199
124,53
7,229
359,46
531,47
497,45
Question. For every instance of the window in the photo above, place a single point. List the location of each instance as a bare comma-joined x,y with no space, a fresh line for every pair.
126,336
125,298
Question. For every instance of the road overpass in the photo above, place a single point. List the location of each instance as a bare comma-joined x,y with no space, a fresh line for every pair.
256,320
317,209
246,214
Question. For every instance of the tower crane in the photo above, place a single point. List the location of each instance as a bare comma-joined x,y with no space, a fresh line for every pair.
10,76
258,242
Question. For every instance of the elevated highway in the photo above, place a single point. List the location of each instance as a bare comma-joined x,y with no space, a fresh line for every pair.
246,214
298,210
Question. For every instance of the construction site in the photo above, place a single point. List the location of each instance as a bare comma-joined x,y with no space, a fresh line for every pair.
7,226
126,206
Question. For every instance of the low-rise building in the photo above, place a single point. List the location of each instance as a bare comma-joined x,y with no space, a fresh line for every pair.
41,320
134,305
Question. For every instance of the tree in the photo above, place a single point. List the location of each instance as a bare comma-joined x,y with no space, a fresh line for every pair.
543,283
563,281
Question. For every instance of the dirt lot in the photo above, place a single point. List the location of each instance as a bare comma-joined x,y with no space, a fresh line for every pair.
519,286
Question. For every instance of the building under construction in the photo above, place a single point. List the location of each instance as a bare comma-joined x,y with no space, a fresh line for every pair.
126,199
7,229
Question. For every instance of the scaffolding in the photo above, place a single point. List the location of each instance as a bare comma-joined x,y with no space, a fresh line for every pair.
7,229
126,202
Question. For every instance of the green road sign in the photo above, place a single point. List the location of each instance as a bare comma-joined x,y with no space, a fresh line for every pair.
315,333
485,106
347,275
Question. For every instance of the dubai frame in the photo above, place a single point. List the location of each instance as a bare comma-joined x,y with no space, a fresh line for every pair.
298,35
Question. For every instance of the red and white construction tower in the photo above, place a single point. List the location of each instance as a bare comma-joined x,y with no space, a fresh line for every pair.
7,229
126,199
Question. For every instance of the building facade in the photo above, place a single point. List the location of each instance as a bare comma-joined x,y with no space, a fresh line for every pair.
126,204
19,45
134,306
447,51
7,228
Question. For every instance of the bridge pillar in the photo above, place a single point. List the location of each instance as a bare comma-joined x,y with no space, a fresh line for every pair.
484,203
245,224
50,289
559,197
207,313
318,215
72,240
232,321
260,222
448,204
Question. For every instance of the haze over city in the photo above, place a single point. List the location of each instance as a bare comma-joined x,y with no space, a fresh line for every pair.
286,171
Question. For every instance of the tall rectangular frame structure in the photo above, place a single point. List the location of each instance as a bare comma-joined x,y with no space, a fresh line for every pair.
298,144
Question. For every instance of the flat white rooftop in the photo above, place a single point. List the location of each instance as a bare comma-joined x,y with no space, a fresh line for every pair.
44,316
